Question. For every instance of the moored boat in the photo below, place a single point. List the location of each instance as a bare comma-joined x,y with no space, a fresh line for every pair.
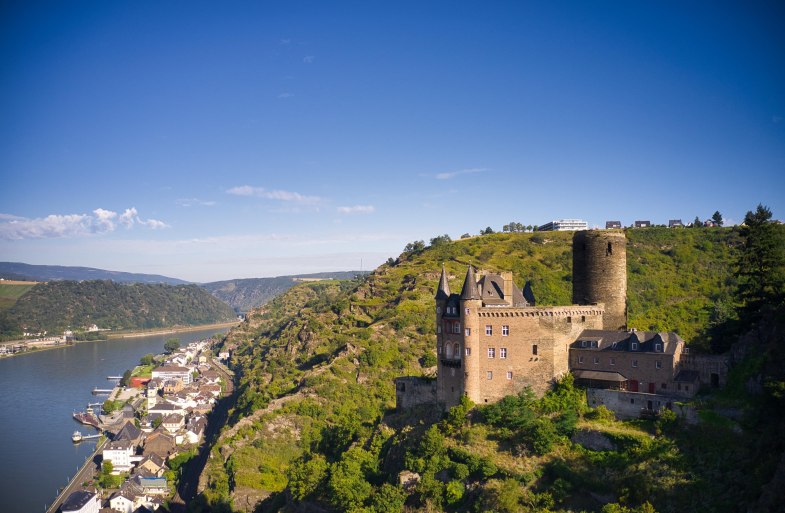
76,437
87,417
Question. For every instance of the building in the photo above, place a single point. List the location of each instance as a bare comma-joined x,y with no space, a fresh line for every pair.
642,224
675,223
173,372
612,225
119,452
564,225
81,501
492,339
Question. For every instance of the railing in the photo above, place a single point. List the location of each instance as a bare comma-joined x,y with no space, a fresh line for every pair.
451,363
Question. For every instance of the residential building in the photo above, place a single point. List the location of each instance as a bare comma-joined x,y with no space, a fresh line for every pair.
81,501
119,452
642,224
173,372
564,225
612,225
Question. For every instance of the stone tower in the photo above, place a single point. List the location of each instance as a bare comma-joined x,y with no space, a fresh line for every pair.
599,274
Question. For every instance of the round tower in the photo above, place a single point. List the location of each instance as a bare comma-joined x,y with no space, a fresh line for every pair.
599,273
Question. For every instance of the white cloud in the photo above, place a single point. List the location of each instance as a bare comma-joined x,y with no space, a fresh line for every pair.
261,192
284,41
286,95
308,59
70,225
195,202
453,174
357,209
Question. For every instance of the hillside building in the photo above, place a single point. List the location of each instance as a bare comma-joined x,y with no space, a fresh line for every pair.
564,225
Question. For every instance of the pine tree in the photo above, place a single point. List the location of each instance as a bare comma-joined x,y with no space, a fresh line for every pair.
762,262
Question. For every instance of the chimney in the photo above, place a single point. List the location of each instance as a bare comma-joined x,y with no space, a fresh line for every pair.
508,285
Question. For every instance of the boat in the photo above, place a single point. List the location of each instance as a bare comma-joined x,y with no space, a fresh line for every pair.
87,417
76,437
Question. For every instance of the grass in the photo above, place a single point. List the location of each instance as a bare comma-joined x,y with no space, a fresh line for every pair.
11,291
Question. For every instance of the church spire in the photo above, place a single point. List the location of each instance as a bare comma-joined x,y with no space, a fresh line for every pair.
470,290
443,291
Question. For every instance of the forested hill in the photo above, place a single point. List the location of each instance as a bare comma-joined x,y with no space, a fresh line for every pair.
247,293
29,272
314,425
58,305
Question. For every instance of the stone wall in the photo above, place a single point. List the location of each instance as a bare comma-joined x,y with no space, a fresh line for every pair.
412,391
629,405
712,369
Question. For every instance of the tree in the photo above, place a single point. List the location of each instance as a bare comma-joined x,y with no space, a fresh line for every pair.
147,359
305,477
465,236
414,247
441,239
172,345
697,222
487,231
717,218
762,261
126,379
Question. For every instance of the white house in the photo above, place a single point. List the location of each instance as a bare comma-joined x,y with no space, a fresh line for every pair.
119,453
81,501
173,372
123,501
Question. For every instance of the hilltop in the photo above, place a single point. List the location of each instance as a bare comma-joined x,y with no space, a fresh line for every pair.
59,305
29,272
245,294
314,422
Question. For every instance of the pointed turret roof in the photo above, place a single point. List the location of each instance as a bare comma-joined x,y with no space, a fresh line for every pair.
443,291
470,290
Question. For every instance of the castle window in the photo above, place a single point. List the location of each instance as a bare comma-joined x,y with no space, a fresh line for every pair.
468,331
491,352
596,361
658,364
490,375
635,363
583,318
457,352
505,330
468,351
634,346
509,374
488,329
580,359
502,352
448,350
467,311
569,318
438,309
610,249
439,328
658,347
612,361
456,328
534,349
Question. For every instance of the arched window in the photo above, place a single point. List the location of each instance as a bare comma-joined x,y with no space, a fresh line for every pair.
457,352
448,350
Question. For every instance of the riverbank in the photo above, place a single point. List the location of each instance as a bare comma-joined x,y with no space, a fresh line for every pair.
176,329
35,346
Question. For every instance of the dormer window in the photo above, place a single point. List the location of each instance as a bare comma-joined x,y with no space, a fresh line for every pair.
594,343
583,343
658,347
634,346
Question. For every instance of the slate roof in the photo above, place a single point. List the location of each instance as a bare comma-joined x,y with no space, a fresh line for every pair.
470,290
612,340
443,290
76,501
598,375
129,432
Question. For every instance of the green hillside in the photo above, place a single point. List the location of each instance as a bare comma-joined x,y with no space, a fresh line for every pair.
58,305
314,420
11,291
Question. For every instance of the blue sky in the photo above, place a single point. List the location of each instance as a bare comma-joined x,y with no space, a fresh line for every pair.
218,140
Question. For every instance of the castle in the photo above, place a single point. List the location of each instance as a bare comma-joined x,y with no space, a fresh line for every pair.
492,340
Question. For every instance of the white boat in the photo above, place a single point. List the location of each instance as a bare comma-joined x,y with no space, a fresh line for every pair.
76,437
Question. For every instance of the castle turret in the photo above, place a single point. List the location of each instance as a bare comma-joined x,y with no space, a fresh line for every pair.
443,290
471,303
599,274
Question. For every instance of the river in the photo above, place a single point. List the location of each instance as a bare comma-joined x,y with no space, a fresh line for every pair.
38,393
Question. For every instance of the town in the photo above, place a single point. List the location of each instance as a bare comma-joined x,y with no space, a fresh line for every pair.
154,425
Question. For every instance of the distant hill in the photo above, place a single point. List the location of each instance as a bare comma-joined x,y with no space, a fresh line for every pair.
57,305
20,271
246,294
